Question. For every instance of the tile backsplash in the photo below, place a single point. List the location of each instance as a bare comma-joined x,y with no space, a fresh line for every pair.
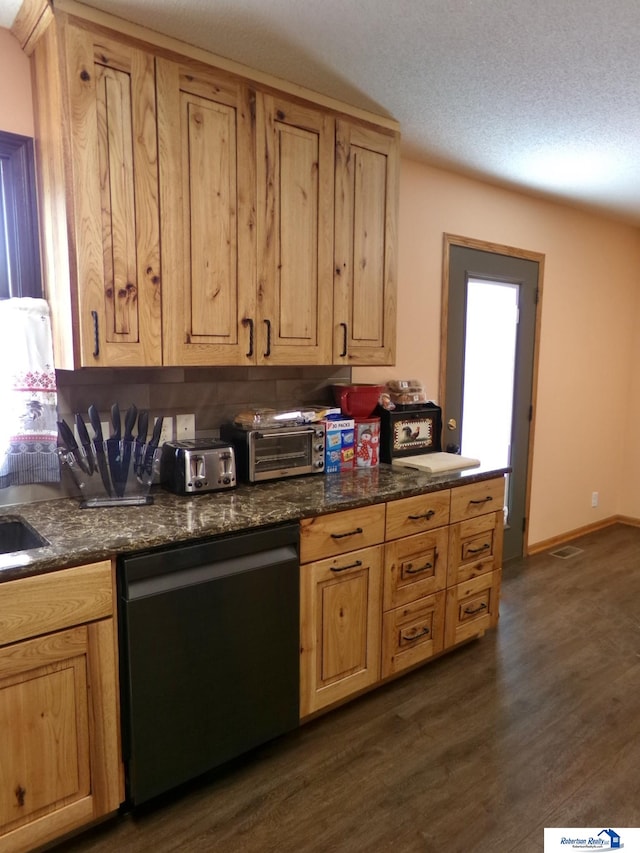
214,395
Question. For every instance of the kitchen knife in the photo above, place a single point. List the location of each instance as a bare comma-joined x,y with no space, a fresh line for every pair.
127,444
85,441
143,425
153,443
98,446
113,451
71,445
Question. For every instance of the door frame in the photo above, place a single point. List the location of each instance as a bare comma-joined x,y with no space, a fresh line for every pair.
450,240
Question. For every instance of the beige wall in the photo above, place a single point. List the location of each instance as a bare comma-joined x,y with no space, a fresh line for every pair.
587,389
16,111
588,394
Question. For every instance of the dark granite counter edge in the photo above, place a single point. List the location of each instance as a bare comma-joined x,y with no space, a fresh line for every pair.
77,536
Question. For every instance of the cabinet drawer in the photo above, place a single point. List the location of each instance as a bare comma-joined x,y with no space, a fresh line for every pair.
412,633
472,607
50,602
414,566
477,499
339,532
475,547
413,515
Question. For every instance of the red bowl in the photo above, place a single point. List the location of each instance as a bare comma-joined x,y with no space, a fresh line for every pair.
357,401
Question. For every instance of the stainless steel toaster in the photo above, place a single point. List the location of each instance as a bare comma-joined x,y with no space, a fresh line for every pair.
197,465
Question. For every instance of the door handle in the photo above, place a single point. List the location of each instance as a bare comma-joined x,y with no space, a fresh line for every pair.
452,424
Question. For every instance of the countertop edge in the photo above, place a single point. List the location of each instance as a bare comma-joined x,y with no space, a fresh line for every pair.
79,536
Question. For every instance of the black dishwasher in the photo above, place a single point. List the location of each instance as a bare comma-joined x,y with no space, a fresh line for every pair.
209,654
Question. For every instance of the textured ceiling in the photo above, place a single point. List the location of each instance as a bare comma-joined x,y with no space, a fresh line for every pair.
542,96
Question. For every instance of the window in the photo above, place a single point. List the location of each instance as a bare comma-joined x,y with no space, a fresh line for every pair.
19,247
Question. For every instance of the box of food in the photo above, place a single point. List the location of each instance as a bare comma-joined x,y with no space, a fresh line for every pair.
339,453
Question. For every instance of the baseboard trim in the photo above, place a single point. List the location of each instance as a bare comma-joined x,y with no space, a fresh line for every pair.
545,544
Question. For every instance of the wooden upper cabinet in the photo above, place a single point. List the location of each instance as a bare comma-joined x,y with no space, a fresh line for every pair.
103,161
207,192
366,202
295,232
192,215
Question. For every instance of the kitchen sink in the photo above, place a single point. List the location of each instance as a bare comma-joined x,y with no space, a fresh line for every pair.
17,535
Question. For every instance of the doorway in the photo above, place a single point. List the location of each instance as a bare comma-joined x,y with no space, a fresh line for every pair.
490,331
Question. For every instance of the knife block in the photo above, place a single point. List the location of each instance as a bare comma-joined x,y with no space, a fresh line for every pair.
112,473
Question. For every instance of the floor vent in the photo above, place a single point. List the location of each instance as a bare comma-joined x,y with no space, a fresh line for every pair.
566,552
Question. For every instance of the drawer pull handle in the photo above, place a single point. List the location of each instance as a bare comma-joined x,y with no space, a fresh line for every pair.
355,565
483,501
411,571
96,334
267,352
478,550
348,533
409,638
426,515
247,321
343,326
469,611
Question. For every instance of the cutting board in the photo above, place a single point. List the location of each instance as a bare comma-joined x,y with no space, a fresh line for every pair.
437,463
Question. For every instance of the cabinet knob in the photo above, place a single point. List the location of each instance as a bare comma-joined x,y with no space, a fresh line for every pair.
452,423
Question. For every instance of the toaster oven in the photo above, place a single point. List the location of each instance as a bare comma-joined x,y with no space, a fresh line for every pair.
276,452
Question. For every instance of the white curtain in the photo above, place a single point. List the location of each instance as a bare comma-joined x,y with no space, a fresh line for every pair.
28,398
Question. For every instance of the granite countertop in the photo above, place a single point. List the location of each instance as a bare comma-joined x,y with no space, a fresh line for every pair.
78,536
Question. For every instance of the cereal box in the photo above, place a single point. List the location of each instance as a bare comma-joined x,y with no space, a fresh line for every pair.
339,445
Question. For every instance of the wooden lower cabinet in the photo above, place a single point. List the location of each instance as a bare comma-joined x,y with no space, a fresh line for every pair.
59,731
340,627
429,580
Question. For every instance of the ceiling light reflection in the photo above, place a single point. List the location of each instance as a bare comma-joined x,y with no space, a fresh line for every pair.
571,169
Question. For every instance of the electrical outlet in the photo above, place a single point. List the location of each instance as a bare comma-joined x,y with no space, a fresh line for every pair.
185,427
167,430
594,499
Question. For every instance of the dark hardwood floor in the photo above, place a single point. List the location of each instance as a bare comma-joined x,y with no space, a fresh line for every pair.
536,724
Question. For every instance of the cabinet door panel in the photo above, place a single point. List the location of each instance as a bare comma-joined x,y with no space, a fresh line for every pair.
340,628
211,127
295,215
114,162
365,245
369,197
207,172
50,768
343,634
